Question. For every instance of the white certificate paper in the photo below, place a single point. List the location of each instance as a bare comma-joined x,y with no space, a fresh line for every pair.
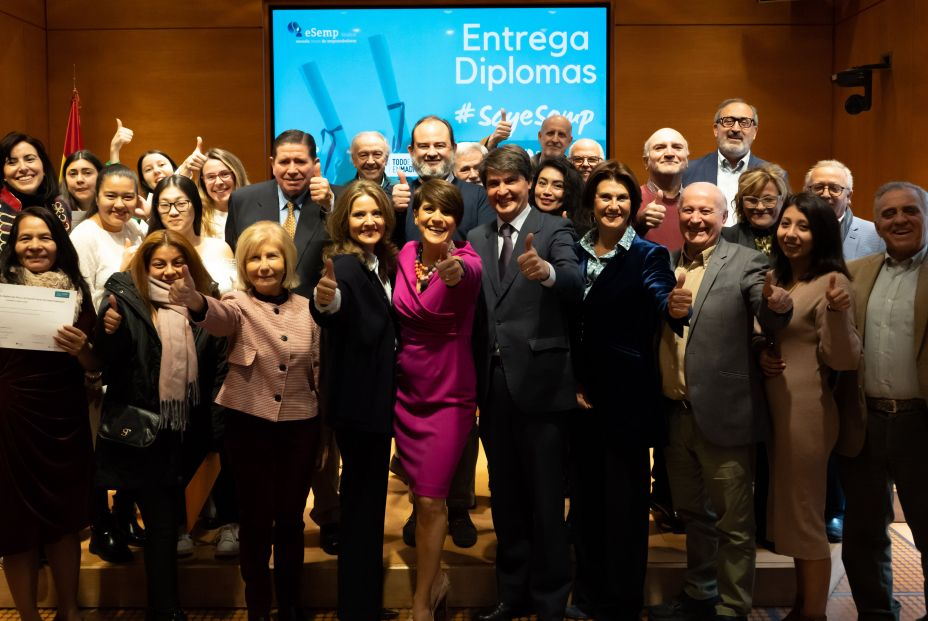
31,316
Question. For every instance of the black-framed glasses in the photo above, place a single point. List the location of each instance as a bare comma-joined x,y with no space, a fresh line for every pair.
181,205
832,188
767,201
744,122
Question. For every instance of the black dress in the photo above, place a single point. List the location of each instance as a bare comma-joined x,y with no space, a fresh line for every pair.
46,452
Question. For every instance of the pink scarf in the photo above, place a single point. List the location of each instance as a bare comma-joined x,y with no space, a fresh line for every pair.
178,388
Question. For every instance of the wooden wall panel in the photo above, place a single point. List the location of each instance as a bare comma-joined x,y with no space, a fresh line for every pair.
23,58
721,12
119,14
169,86
884,143
783,70
31,11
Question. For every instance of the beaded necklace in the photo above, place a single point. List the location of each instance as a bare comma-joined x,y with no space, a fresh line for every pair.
423,273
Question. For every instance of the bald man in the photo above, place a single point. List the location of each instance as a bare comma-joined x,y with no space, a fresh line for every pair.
666,157
554,137
717,408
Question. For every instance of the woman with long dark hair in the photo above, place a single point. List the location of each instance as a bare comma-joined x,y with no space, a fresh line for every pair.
45,445
80,183
800,364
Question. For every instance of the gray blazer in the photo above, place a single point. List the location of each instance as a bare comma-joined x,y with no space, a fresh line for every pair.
530,322
860,237
723,377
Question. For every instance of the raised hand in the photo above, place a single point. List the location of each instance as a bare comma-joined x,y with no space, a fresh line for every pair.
327,286
679,300
502,131
653,214
401,194
838,299
194,161
111,318
121,138
184,291
143,207
450,268
778,298
320,192
532,265
128,251
71,339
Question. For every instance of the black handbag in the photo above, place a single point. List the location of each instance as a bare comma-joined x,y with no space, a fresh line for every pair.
128,425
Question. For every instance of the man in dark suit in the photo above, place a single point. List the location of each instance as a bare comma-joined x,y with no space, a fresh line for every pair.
369,154
735,127
432,149
526,387
298,197
717,409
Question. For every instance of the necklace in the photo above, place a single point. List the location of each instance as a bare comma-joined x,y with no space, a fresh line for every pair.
423,273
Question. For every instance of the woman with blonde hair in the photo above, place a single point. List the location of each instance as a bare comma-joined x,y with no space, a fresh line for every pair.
270,396
760,196
222,174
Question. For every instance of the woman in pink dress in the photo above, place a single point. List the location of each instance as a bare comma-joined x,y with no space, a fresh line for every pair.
437,284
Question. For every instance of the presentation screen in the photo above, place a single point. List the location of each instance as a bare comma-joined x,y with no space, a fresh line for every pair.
336,72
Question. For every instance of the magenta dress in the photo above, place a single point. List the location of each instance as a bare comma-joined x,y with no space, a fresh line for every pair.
436,383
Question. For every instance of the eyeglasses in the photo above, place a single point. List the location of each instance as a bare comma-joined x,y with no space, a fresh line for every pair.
729,121
767,201
579,160
833,188
225,175
181,205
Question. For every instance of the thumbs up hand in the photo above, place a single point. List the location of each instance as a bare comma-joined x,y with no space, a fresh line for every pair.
450,268
327,286
778,298
128,252
121,138
111,318
184,292
194,161
532,265
838,299
653,214
401,194
320,192
679,300
502,131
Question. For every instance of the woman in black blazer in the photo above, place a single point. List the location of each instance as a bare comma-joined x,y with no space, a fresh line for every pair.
627,295
352,303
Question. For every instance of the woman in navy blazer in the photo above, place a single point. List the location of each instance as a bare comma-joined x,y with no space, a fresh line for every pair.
352,303
627,295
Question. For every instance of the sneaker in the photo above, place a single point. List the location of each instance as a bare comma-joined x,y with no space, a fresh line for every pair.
227,544
184,544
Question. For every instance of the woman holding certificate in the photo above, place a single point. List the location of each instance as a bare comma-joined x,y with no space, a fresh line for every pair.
45,446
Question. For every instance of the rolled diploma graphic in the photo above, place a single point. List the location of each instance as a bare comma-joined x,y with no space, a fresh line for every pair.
396,108
338,166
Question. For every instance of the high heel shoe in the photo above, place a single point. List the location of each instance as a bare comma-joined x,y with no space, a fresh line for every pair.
440,589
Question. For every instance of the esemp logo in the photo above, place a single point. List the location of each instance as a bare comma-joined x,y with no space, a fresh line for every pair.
322,35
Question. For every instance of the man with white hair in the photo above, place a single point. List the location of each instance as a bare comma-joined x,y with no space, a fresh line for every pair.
833,181
369,154
585,154
467,158
891,293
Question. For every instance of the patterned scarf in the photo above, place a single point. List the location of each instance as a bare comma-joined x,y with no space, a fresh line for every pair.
178,386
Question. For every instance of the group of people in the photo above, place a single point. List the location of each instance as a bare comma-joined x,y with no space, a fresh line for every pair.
708,313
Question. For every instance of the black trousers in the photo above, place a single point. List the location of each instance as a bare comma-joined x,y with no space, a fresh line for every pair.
610,509
525,459
159,509
273,465
365,471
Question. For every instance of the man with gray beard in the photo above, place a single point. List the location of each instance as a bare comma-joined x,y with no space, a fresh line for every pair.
432,151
